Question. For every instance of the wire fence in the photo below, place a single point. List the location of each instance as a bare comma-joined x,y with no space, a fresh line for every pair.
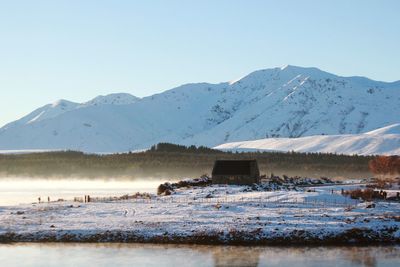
284,201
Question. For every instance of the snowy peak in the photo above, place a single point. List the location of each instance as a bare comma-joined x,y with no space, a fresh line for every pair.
53,110
62,106
285,73
113,99
45,112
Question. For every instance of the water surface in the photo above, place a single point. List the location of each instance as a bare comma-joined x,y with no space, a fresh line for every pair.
116,254
22,190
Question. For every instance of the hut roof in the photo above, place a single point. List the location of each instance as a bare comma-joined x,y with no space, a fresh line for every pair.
233,167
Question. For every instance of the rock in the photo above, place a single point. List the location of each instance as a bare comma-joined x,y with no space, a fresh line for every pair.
162,188
217,206
167,192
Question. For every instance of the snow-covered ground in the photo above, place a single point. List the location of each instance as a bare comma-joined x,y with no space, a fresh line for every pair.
27,151
214,214
383,141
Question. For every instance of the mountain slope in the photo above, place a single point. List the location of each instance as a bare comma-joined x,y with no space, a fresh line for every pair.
279,102
46,112
383,141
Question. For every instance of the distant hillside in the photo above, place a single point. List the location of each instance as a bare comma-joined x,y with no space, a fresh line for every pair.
383,141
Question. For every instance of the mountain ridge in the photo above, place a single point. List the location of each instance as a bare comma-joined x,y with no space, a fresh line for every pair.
279,102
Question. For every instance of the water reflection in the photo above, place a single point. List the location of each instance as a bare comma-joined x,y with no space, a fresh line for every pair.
361,257
61,254
225,256
370,257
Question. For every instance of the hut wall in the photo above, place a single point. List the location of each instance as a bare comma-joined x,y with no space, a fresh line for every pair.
235,179
236,173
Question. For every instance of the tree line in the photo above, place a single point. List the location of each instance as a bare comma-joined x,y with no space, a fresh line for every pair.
177,161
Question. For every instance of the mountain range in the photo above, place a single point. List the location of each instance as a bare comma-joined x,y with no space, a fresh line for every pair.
287,102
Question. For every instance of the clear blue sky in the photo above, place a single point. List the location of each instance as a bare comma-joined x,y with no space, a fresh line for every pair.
77,50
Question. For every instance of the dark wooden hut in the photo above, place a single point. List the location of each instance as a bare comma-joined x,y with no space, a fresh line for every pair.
238,172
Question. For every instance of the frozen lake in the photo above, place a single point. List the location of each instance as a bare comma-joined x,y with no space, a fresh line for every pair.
116,254
22,190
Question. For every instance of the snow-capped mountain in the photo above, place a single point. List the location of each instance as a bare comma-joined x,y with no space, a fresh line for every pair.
279,102
383,141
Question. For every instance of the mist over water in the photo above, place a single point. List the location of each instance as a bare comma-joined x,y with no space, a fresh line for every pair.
24,190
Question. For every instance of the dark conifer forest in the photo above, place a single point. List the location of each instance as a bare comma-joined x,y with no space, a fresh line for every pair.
176,161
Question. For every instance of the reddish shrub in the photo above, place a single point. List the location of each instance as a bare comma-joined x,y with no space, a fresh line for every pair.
385,165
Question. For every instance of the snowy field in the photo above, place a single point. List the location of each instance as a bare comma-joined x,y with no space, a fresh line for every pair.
214,214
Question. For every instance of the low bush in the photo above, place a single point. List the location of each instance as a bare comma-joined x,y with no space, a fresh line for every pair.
364,194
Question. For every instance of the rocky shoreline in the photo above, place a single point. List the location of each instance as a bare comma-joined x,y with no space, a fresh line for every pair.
352,236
